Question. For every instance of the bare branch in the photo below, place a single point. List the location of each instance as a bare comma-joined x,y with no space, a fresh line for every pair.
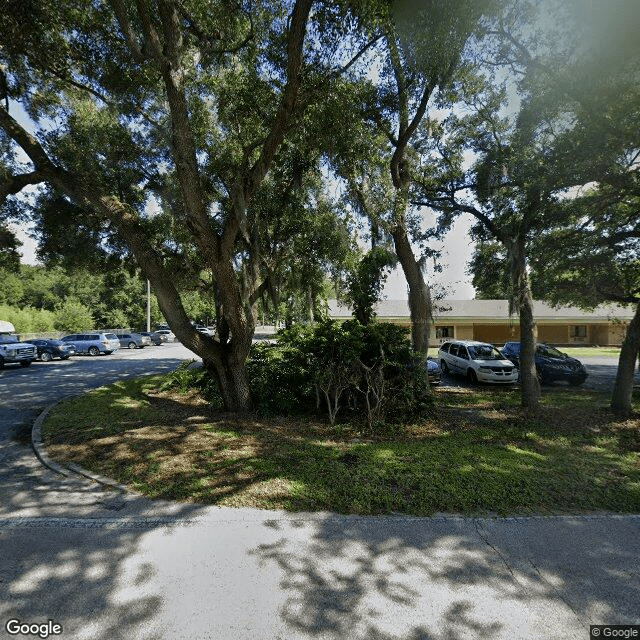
297,32
15,184
123,20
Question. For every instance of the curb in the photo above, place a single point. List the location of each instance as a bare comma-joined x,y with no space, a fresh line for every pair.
75,469
38,445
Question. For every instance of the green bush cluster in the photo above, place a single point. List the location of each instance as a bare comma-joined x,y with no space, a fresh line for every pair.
367,371
28,319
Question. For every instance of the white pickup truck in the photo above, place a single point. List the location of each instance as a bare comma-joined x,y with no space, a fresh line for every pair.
12,350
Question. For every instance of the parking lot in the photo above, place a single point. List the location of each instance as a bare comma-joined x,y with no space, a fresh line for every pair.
602,374
27,391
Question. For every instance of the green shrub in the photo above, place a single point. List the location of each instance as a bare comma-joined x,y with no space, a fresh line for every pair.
183,378
28,320
365,370
281,379
73,316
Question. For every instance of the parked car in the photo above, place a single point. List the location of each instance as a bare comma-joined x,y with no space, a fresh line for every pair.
155,338
478,361
434,371
551,364
166,335
134,340
93,343
50,349
207,331
12,350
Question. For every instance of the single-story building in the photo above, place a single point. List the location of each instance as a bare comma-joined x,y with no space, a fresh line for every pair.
489,321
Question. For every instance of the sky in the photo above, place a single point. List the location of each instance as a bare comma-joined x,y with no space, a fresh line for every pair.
457,249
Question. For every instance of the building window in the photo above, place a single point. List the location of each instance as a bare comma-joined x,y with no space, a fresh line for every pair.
579,331
444,332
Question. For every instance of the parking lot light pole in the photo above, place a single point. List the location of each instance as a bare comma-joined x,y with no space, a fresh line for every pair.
148,306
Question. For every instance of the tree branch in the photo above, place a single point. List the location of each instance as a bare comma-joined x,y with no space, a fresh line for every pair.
15,184
125,26
295,42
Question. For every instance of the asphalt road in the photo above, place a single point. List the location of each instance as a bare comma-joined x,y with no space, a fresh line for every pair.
106,566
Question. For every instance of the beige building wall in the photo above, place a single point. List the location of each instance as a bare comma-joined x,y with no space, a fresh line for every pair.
495,333
464,332
616,333
553,333
498,334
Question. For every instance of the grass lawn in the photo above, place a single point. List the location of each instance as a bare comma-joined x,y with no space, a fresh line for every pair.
586,352
476,453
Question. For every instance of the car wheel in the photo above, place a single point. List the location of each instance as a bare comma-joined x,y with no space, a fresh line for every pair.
471,375
444,367
45,356
94,351
64,357
132,345
25,363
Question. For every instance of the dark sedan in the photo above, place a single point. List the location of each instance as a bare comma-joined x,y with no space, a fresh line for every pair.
552,365
50,349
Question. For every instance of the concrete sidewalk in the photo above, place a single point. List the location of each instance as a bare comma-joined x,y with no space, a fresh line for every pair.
245,573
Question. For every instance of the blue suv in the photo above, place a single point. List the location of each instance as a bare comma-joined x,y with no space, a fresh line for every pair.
551,364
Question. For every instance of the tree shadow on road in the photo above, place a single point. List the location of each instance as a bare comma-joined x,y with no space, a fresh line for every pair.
449,579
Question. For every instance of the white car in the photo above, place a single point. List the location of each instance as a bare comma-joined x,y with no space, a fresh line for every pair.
166,335
478,361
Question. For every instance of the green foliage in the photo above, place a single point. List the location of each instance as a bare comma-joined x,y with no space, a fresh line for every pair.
365,283
116,298
9,254
12,289
367,370
73,316
281,379
183,378
28,319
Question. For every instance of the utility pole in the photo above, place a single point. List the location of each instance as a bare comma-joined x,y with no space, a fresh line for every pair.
148,306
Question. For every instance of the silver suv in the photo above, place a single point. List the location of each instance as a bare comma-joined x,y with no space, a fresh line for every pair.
478,361
94,343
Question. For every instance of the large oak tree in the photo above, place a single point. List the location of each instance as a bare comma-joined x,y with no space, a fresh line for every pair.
178,106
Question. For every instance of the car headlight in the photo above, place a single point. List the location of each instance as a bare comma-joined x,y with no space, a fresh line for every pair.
485,369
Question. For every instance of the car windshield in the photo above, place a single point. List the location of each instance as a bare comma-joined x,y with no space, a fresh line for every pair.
484,352
6,339
549,352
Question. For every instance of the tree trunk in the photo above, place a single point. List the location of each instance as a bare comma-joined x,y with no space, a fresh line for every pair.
419,294
623,387
233,383
529,384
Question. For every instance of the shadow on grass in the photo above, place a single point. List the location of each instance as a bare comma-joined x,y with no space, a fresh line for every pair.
488,460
